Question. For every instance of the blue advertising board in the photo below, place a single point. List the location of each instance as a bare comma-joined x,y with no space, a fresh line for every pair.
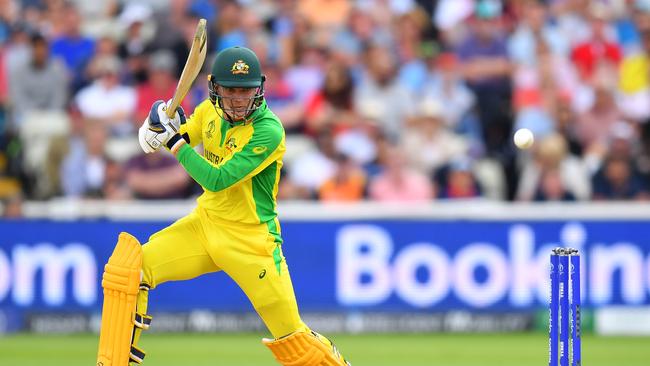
375,266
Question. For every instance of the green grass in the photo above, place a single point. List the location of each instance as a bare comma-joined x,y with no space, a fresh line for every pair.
361,350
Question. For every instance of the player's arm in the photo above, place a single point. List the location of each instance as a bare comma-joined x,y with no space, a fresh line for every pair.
262,149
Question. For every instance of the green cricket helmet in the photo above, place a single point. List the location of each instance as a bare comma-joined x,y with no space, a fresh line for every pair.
236,67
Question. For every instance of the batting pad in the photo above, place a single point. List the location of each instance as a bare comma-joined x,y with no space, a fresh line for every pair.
305,349
121,282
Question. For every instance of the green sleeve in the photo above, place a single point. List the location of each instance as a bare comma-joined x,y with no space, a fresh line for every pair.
257,154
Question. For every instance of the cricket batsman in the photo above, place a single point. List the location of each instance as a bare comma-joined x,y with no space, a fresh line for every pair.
234,227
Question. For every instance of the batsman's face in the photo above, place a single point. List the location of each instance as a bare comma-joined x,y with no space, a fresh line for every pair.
237,102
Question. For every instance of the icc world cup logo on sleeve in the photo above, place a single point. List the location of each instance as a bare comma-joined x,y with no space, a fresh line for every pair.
210,130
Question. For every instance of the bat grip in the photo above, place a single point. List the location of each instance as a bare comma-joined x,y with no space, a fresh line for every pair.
170,110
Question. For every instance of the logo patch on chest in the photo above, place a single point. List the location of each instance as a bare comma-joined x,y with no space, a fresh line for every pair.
230,144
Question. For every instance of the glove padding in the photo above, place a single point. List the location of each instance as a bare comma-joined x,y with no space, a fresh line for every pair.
158,129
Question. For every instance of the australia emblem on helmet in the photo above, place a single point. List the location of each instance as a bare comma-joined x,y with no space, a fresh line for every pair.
239,67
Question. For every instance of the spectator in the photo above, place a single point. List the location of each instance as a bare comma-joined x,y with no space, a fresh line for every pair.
13,207
357,138
156,176
18,48
106,46
115,184
135,47
4,92
71,46
552,188
542,69
353,83
375,96
445,85
634,83
485,65
332,100
285,29
361,30
325,13
398,182
283,100
566,124
598,51
534,33
594,126
618,180
106,99
307,76
428,142
83,170
412,70
172,34
312,169
230,32
160,85
348,183
458,181
551,155
13,176
39,84
571,19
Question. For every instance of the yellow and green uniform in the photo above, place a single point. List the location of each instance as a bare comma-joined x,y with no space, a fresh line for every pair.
234,227
240,167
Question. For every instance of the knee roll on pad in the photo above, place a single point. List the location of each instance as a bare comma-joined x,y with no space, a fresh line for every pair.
305,348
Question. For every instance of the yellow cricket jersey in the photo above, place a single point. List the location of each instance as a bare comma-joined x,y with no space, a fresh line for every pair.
240,167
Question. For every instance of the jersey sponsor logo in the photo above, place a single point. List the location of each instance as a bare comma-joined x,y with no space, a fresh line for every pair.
239,67
210,130
262,274
259,149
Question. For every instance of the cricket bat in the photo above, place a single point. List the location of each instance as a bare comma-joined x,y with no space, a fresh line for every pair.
192,67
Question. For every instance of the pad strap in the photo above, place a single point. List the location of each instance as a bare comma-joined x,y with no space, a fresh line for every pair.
136,355
142,321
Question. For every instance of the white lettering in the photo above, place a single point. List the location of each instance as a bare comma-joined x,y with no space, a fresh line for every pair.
435,261
363,250
522,245
54,263
648,273
481,275
494,287
530,267
5,276
605,260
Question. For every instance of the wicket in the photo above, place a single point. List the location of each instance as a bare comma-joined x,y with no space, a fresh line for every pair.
564,307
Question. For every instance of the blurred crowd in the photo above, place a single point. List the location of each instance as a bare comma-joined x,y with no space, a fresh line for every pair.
400,100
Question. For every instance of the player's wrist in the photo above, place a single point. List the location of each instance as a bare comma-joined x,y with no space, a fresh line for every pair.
174,143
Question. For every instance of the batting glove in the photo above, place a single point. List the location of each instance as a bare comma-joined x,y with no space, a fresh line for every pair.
158,129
